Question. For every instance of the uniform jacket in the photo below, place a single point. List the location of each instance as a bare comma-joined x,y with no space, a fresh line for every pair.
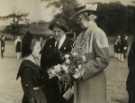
31,78
52,55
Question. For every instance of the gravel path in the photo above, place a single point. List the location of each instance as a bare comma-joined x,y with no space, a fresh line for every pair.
10,89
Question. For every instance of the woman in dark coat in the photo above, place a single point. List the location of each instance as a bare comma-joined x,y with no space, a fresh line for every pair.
53,54
30,72
131,75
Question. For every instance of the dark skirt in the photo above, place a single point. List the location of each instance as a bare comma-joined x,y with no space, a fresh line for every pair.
117,49
37,97
18,47
131,96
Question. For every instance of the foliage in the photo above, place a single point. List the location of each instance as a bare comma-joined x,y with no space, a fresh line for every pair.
116,19
14,28
69,8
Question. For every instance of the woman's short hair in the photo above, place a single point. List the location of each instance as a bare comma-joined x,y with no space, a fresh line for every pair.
58,25
28,43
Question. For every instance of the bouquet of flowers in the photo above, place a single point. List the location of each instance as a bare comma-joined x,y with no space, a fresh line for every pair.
68,72
74,63
56,71
72,66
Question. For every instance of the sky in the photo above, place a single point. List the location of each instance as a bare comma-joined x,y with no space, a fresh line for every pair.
36,9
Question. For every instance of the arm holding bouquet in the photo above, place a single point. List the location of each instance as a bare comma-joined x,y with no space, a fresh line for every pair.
97,59
96,63
100,61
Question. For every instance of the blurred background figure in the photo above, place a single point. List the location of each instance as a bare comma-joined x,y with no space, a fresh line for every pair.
3,40
18,43
117,47
42,40
124,42
121,47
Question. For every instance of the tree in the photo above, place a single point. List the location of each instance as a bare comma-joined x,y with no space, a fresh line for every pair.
116,19
15,26
69,8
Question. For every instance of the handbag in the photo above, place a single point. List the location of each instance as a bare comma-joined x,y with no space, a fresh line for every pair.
69,93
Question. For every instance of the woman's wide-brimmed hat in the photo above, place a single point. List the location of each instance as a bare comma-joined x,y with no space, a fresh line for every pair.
40,29
87,9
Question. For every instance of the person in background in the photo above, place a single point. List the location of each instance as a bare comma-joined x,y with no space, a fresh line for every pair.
90,86
124,42
3,40
18,44
42,40
30,72
131,76
117,47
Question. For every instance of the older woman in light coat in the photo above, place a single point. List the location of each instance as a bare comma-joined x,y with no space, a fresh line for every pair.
93,43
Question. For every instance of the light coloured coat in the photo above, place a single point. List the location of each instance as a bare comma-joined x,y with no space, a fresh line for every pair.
92,43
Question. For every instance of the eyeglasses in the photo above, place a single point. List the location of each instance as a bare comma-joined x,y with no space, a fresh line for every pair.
57,31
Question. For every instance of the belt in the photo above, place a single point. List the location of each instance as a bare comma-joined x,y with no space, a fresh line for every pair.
36,88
